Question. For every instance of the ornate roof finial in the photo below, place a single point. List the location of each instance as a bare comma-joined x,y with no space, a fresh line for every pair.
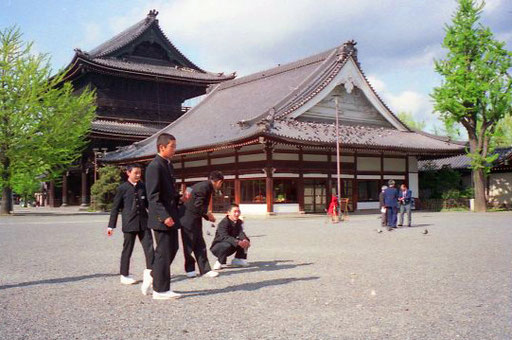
152,14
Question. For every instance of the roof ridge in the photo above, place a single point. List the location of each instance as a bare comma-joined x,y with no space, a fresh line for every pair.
277,69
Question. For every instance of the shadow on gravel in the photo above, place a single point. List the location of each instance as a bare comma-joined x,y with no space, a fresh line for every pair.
253,267
53,281
251,286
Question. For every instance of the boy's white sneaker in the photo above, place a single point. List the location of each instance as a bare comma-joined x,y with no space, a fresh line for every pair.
166,295
127,280
211,273
217,266
239,262
147,282
191,274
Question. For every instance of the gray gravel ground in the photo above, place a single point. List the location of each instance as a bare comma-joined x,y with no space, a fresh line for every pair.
307,280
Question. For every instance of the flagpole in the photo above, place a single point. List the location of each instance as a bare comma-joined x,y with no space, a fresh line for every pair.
338,168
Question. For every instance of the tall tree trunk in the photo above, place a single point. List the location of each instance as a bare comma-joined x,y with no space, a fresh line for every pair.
478,177
6,207
479,185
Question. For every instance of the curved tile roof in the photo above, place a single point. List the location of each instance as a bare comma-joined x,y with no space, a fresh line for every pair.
250,106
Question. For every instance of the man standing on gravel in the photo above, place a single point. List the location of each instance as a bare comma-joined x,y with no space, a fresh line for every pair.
391,201
163,214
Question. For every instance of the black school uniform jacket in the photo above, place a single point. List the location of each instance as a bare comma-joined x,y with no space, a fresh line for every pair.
229,231
132,201
162,195
197,206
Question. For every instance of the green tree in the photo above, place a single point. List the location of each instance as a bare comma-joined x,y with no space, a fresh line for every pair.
43,123
503,135
104,189
476,87
408,119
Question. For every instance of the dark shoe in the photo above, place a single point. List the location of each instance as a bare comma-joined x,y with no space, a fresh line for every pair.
409,226
390,228
400,225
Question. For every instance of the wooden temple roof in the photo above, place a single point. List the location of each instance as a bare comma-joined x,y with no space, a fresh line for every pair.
462,162
267,104
125,129
116,56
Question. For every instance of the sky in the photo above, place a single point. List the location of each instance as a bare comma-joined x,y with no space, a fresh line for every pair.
397,40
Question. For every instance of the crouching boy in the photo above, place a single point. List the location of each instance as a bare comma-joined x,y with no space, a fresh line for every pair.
230,239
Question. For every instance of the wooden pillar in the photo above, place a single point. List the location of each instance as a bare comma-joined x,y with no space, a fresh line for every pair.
182,160
406,181
238,187
355,185
84,201
300,186
382,169
269,181
51,194
64,190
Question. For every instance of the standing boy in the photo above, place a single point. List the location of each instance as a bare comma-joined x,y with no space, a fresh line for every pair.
230,239
163,214
131,199
196,208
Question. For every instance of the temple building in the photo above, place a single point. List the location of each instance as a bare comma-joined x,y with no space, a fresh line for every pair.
273,135
141,81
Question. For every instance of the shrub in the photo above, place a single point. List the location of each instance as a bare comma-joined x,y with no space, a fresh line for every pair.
104,189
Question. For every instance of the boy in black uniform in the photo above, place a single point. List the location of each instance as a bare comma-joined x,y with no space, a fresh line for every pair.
196,208
163,214
131,199
230,239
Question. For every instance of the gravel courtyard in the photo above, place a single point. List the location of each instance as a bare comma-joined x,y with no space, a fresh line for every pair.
307,280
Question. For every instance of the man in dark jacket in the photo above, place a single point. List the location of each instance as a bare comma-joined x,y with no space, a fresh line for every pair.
405,200
230,239
196,208
163,214
132,201
391,202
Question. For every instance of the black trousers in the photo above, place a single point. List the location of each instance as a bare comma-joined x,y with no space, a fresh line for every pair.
163,241
129,241
193,242
224,249
174,245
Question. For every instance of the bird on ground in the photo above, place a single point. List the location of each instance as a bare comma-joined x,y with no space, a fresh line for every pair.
425,232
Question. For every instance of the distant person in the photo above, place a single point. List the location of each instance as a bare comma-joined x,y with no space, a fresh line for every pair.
333,209
230,239
382,206
196,208
391,202
163,214
405,202
131,199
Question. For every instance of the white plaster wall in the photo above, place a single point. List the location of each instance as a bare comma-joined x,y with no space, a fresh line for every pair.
314,158
367,205
394,164
253,209
368,164
285,156
368,176
414,184
176,165
413,164
394,177
286,208
285,175
252,158
224,160
202,162
500,188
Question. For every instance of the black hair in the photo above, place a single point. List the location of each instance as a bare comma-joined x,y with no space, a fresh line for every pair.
163,139
216,176
130,167
233,205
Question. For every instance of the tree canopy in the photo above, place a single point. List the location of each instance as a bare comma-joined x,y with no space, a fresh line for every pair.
43,123
476,86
